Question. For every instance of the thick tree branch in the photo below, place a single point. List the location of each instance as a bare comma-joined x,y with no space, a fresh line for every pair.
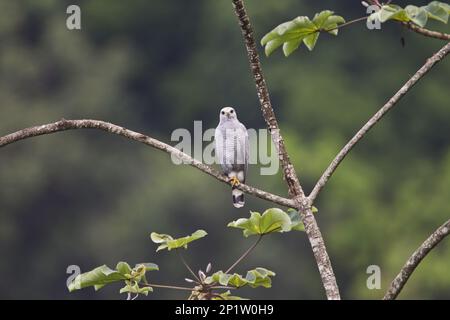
418,255
430,63
295,189
112,128
425,32
264,99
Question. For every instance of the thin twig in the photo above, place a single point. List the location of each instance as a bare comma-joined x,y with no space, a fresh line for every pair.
426,32
187,266
245,254
345,24
400,280
295,190
430,63
64,125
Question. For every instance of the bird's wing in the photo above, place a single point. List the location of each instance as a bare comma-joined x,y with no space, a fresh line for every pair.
220,143
241,149
245,147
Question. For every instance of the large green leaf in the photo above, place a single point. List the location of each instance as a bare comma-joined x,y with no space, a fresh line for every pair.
272,220
103,275
168,242
97,278
258,277
290,34
418,15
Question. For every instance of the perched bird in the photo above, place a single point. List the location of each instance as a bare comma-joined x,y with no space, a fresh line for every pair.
232,149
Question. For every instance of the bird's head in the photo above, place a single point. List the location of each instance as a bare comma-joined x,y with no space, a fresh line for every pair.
227,113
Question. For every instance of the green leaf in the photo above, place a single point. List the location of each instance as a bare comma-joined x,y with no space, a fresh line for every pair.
302,22
272,220
103,275
296,223
311,40
168,242
123,268
289,46
148,266
333,20
289,30
134,288
333,29
320,18
290,34
444,6
392,12
417,15
258,277
235,280
272,45
285,28
159,237
332,23
436,11
98,278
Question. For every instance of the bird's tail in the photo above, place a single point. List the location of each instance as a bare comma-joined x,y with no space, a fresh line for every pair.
238,198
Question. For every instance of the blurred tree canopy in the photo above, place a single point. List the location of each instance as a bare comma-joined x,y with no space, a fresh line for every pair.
88,198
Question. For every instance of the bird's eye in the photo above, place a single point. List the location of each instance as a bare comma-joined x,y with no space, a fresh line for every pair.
223,112
231,111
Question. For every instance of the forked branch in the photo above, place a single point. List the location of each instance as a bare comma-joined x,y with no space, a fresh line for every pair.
295,190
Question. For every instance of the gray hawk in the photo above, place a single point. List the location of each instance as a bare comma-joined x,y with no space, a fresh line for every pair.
232,151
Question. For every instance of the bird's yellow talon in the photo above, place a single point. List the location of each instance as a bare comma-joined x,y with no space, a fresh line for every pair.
234,181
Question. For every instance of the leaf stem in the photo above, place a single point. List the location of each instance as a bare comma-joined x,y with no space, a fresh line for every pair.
245,254
187,266
345,24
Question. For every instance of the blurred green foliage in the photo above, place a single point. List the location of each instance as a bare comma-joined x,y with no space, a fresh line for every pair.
87,198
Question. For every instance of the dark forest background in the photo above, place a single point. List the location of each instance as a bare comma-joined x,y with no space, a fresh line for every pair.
89,198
